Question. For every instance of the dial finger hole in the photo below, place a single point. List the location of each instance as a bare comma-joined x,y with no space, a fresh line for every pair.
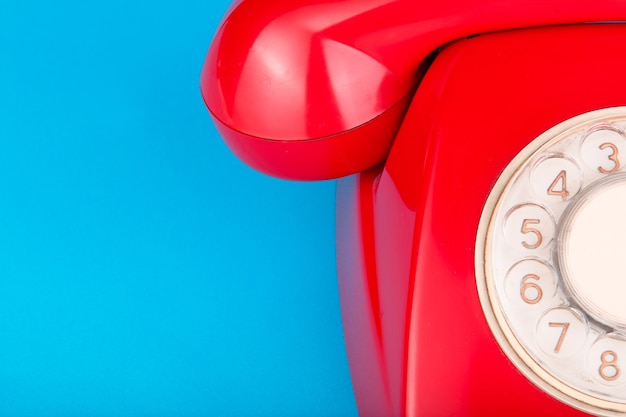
556,179
603,150
531,283
606,360
561,332
529,226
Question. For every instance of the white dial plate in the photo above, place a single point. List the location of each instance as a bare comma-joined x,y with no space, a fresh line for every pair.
592,251
551,261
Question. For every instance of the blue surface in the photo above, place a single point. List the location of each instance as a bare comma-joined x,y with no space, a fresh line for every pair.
144,271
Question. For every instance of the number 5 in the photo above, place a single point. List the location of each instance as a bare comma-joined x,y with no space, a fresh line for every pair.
526,229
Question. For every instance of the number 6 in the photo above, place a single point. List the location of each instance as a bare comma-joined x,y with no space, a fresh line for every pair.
524,286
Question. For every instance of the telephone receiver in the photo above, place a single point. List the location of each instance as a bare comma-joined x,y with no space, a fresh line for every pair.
480,151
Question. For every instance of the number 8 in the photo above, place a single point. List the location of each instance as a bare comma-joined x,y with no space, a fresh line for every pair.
609,360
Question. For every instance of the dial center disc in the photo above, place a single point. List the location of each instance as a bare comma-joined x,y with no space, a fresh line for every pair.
592,251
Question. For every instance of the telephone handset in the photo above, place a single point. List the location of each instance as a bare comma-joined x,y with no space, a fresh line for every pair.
480,239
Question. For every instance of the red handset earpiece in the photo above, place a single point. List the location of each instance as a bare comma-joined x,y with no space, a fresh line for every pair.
317,89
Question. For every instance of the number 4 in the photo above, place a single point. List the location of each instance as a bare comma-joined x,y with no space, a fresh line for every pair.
562,178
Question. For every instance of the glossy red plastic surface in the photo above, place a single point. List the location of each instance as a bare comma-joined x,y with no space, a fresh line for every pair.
361,314
406,240
285,73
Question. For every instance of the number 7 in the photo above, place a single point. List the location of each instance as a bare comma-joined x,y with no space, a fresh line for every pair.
564,327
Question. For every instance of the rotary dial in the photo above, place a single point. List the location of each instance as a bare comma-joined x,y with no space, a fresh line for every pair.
551,261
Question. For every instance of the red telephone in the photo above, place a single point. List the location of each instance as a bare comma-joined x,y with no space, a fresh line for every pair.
479,228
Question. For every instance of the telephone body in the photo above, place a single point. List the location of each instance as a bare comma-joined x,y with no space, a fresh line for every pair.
440,119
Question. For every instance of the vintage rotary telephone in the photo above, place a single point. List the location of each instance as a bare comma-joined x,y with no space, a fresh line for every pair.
481,210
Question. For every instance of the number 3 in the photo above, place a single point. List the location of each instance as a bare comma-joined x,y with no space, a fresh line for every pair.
612,157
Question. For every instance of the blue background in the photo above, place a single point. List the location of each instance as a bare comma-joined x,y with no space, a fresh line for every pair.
144,271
